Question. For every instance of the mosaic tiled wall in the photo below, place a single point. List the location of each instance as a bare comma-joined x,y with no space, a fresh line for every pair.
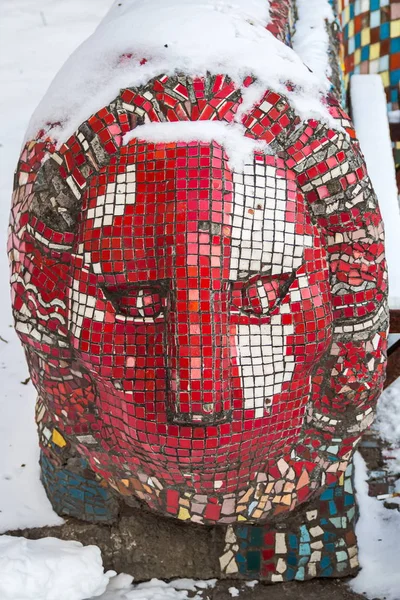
371,35
205,338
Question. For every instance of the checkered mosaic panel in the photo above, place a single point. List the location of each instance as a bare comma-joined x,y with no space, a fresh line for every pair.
371,32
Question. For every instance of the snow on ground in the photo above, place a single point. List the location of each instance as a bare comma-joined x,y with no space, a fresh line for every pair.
388,422
234,592
378,532
122,588
378,529
50,569
35,39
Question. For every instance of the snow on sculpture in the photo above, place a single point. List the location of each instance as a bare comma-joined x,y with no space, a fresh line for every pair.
199,283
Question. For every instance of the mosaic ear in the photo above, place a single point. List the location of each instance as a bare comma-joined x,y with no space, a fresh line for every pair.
50,184
60,185
332,175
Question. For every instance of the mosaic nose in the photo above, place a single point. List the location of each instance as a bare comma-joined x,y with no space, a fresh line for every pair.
199,340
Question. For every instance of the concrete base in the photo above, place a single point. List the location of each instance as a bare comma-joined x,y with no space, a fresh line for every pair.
145,545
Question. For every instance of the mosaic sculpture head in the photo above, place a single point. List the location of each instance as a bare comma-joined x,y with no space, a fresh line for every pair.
203,315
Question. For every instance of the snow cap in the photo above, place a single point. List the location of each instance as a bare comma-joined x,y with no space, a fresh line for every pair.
141,39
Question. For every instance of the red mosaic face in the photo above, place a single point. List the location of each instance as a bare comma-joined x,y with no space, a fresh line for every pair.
200,335
211,339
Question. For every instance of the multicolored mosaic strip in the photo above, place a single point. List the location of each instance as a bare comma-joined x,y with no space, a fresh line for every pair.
371,31
206,339
323,544
75,491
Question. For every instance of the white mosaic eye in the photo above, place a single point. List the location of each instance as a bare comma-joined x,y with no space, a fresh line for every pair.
262,293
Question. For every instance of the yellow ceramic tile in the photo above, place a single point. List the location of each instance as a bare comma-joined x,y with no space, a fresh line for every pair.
346,15
365,36
395,28
385,78
374,51
183,514
351,29
357,56
58,439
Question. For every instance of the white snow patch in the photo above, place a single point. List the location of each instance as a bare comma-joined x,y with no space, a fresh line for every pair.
196,37
369,106
234,592
240,149
252,584
122,588
50,569
388,423
35,39
378,531
193,584
311,39
120,582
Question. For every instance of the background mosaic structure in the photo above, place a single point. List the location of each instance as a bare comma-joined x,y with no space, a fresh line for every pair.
371,38
208,341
